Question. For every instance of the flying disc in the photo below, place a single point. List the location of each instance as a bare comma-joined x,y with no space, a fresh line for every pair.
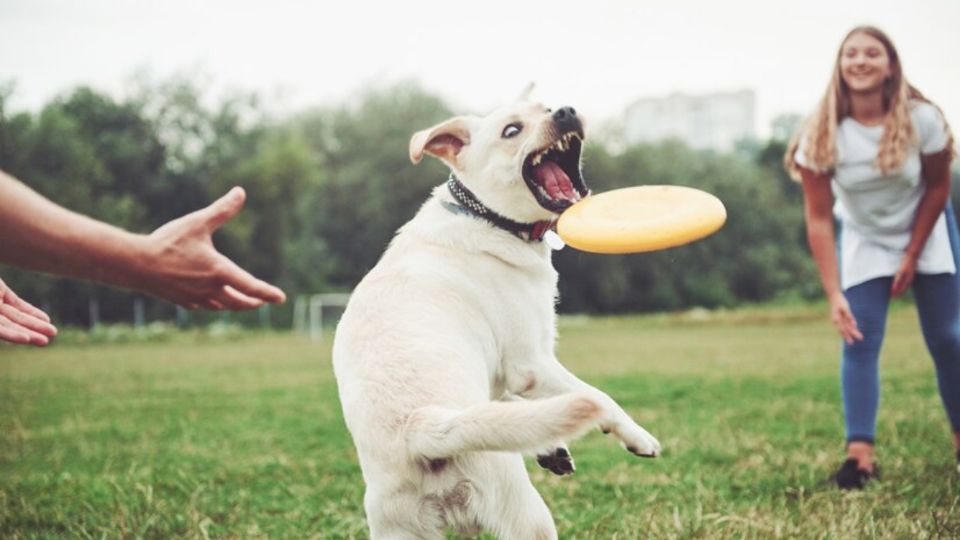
639,219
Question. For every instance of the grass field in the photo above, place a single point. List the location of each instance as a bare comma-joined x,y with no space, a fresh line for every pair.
202,438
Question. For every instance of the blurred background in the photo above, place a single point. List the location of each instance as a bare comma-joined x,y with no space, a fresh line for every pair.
136,112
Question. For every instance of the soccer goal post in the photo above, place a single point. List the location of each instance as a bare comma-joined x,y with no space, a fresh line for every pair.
308,312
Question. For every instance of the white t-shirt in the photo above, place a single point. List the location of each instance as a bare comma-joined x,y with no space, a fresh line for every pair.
876,210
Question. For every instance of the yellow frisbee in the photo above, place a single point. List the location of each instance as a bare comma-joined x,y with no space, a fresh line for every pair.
643,218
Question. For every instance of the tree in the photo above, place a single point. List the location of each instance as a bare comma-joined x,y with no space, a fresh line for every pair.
370,187
328,187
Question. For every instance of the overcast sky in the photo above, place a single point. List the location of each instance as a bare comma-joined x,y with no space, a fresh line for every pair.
595,55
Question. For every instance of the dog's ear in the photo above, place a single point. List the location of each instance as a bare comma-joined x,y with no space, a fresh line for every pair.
443,141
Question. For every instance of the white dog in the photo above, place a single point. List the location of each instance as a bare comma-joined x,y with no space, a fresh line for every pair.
444,357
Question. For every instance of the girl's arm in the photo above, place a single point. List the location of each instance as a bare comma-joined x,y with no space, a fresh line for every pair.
936,174
818,211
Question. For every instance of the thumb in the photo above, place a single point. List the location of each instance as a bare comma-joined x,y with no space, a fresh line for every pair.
224,208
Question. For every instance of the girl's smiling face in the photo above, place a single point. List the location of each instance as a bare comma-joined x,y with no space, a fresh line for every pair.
864,63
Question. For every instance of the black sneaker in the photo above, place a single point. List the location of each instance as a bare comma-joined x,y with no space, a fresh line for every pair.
850,476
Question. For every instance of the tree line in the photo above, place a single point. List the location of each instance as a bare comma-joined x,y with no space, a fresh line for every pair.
327,187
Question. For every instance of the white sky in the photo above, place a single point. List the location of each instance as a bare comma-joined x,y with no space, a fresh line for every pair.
597,55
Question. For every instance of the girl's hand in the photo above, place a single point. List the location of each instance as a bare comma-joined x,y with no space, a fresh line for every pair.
843,320
904,277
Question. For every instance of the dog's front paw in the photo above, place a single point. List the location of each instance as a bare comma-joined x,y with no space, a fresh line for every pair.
558,461
639,442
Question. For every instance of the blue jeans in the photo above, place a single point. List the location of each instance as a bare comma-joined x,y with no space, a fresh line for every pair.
938,304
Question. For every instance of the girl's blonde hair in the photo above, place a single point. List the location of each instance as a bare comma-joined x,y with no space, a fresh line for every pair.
820,128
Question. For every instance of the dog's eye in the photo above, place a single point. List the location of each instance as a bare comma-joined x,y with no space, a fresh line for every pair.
512,130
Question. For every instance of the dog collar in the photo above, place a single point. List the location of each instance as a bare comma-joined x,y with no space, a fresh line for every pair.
468,203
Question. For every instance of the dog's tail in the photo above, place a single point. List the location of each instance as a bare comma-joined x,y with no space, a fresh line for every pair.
518,426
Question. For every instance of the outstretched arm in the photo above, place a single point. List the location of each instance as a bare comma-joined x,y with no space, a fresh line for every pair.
818,213
177,262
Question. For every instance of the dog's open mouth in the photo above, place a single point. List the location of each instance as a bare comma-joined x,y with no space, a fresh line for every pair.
553,173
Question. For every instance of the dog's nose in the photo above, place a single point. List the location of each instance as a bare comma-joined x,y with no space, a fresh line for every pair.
566,118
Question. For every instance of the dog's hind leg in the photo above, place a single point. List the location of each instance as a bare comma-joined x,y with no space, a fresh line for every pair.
513,509
397,515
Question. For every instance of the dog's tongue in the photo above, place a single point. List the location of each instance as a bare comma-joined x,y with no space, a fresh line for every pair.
555,181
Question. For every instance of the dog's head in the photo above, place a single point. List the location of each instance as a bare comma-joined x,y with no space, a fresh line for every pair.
522,160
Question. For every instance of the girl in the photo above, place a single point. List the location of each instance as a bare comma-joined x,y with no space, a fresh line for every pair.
884,151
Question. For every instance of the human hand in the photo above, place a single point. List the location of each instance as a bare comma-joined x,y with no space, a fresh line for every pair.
183,266
843,319
22,323
904,276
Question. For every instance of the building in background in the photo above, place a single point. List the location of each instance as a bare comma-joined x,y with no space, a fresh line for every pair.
705,122
783,126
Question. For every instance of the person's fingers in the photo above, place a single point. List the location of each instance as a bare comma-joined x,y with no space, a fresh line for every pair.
29,308
14,333
184,299
844,334
210,303
241,280
224,208
856,334
842,329
232,299
901,281
27,321
897,286
900,288
8,296
846,324
905,283
853,333
38,339
850,330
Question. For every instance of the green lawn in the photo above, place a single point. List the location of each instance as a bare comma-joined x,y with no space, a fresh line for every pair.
202,438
